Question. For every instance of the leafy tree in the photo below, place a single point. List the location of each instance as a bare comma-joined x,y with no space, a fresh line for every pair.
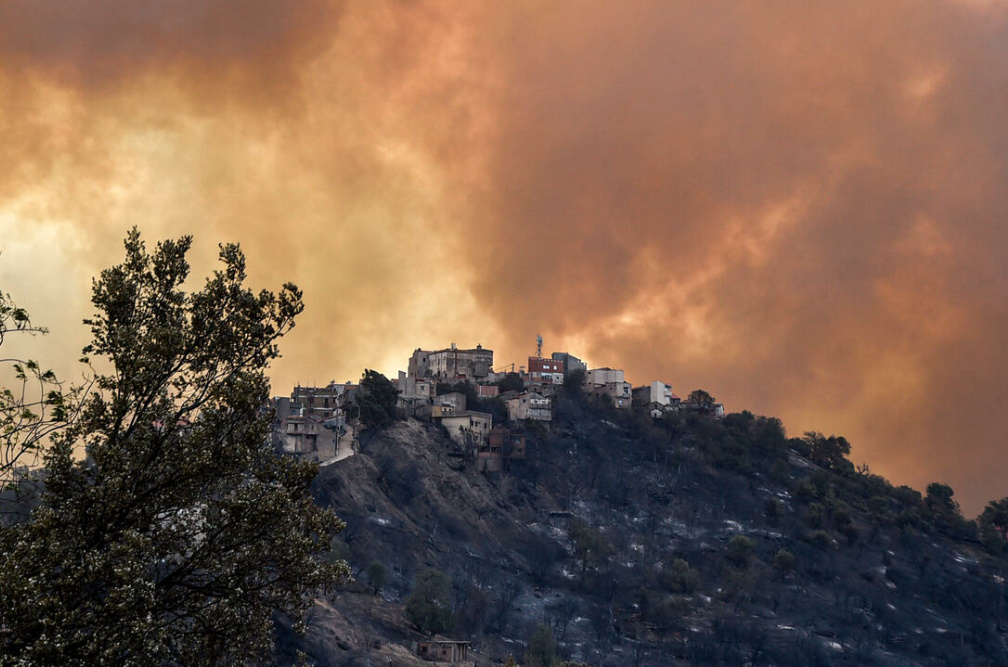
827,452
590,547
376,575
993,524
377,399
181,534
740,549
945,514
939,499
573,382
701,399
37,407
429,605
784,561
511,382
542,649
773,509
820,539
681,578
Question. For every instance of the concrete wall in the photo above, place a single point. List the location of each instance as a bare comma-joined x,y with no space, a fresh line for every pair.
479,423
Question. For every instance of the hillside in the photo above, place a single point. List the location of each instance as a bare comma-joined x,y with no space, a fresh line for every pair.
687,540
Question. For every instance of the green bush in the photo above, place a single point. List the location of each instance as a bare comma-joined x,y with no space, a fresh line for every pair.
429,605
740,549
784,561
820,539
376,576
681,578
542,648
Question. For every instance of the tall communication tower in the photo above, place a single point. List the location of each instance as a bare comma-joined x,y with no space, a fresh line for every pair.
539,346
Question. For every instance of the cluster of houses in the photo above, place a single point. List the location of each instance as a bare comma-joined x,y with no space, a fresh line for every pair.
314,421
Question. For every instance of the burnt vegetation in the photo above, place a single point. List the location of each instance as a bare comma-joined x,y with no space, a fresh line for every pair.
640,541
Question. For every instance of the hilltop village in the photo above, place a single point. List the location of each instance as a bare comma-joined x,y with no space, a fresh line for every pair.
449,386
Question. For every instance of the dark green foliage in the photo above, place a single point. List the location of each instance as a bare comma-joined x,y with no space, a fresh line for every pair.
739,551
815,516
820,539
773,509
661,499
907,497
681,578
428,607
939,499
851,532
542,554
495,406
784,561
841,518
376,575
182,534
993,525
827,452
511,382
542,648
376,399
589,546
942,511
701,399
573,383
780,472
764,436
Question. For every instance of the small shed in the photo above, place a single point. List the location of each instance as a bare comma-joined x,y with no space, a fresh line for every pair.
443,650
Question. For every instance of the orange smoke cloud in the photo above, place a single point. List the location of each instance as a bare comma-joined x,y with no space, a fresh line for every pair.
795,207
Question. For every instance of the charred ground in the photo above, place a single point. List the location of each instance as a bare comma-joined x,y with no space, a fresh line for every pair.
686,540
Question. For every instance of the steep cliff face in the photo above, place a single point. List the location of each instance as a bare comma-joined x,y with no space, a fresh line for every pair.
642,543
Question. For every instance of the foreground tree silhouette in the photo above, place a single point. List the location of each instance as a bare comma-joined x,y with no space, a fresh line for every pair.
181,534
36,407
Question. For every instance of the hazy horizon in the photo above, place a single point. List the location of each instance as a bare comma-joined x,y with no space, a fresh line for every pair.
797,207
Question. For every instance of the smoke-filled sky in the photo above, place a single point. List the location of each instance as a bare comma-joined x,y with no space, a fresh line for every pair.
799,207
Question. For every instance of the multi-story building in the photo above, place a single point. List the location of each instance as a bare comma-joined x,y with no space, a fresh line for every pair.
502,447
530,406
414,390
570,362
545,371
309,421
657,393
451,364
609,382
468,429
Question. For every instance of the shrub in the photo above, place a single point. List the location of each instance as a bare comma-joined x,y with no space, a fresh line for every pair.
681,578
784,561
820,539
376,576
429,605
739,551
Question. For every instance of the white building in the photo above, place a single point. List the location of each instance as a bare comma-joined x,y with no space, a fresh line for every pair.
657,393
469,428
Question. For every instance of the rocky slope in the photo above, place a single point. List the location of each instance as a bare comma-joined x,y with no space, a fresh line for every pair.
681,541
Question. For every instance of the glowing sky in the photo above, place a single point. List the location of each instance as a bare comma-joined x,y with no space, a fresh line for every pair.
799,207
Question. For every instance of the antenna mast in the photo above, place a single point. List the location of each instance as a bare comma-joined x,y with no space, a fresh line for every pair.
539,346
